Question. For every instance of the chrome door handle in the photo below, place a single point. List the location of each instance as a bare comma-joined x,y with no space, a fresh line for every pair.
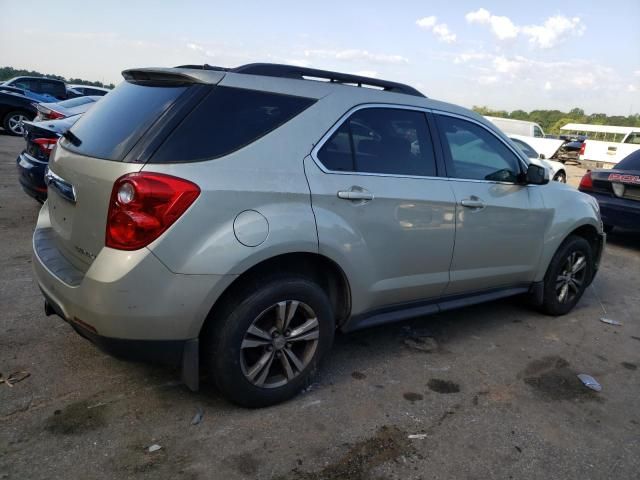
472,203
355,195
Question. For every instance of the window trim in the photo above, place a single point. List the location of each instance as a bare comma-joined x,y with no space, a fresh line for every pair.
325,138
523,164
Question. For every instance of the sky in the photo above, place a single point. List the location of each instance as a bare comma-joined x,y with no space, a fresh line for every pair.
502,54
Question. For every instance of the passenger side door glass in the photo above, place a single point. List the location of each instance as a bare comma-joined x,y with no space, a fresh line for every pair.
473,153
537,132
381,140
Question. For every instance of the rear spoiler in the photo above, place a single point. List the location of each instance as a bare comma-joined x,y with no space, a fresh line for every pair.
172,76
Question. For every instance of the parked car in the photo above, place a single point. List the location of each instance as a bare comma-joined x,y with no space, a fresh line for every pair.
557,170
38,97
14,109
56,88
41,138
233,216
89,90
517,127
65,108
617,191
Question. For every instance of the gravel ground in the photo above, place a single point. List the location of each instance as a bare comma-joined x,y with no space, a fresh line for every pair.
488,392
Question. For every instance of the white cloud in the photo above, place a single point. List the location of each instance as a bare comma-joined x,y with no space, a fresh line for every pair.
488,79
547,85
443,33
468,56
637,73
356,55
427,22
440,30
631,88
502,27
554,31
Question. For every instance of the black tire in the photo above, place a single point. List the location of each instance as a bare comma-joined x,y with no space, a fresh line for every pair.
560,177
608,228
552,304
7,121
228,330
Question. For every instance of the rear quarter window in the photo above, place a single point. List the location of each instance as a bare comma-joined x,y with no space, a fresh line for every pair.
226,120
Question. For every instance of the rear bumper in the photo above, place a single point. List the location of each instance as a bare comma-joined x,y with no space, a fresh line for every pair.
619,212
123,295
31,176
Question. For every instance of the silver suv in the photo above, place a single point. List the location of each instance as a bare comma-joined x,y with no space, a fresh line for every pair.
238,217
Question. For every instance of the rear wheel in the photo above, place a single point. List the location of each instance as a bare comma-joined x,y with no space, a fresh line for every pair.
264,348
12,123
568,275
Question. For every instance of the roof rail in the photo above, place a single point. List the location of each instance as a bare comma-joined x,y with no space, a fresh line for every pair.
303,73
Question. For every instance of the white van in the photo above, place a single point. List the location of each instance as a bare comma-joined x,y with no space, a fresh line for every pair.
605,145
517,127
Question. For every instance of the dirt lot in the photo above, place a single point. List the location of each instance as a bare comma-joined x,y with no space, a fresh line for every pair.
490,390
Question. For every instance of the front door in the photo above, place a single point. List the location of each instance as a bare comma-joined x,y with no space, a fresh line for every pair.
499,221
382,212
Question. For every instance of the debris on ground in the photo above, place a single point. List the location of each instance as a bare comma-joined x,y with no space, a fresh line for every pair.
154,448
197,418
590,382
610,321
14,378
418,436
425,344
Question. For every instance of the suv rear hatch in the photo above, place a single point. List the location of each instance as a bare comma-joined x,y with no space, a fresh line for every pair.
113,138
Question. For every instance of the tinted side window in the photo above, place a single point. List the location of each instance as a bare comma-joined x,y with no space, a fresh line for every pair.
537,132
474,153
381,140
227,120
630,162
56,89
27,84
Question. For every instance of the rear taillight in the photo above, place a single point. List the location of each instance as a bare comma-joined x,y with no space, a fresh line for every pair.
143,205
582,147
587,182
46,145
48,114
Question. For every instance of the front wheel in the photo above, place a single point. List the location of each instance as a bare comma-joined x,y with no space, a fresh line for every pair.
560,177
266,347
568,275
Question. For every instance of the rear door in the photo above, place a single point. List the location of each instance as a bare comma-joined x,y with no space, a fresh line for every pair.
382,211
499,221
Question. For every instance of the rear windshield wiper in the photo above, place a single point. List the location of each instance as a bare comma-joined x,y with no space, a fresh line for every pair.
75,141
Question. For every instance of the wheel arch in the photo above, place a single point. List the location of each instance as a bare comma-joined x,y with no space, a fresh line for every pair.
327,273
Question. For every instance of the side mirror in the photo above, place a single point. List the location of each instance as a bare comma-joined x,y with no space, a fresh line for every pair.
541,156
537,175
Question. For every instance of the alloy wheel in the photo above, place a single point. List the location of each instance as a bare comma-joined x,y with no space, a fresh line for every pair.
15,123
572,277
279,344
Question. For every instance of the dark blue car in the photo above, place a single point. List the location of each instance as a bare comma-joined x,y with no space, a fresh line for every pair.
41,138
617,191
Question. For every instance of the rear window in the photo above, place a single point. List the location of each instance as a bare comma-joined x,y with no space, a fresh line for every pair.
115,124
227,120
630,162
75,102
